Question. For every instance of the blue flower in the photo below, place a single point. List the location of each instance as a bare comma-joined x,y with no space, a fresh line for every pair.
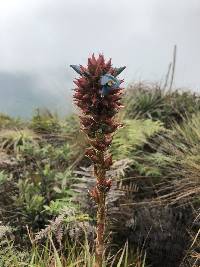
117,71
109,82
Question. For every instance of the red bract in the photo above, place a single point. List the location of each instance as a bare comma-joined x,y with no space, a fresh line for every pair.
99,111
98,96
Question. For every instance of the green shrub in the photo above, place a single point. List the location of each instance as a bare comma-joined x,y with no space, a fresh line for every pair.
12,141
7,122
44,121
147,100
77,254
133,136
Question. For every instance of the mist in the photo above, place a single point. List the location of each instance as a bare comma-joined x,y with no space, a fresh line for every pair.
40,39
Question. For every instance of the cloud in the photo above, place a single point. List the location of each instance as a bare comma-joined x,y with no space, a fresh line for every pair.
21,94
44,37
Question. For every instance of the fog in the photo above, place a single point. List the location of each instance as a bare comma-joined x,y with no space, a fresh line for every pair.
40,39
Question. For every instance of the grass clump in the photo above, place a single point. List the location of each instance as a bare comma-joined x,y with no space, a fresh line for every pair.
134,136
151,101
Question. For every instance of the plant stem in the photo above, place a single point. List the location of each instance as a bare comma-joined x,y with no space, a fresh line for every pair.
101,220
101,215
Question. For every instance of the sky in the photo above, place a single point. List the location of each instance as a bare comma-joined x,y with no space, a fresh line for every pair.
39,39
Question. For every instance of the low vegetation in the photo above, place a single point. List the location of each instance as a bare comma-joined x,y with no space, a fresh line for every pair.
47,220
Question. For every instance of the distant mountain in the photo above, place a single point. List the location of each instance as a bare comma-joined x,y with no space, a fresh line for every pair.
21,93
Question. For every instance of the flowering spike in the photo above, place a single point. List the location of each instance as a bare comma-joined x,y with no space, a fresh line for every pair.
98,94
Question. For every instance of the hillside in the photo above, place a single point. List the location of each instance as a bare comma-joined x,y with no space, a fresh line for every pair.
47,217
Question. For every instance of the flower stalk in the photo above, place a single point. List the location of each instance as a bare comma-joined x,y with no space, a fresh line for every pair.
98,95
